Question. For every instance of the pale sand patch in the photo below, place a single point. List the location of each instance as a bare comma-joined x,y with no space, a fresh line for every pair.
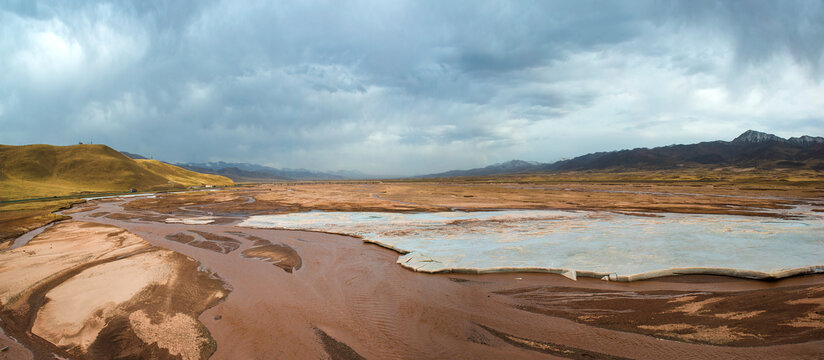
590,317
667,327
812,319
538,345
191,221
59,248
699,333
740,314
179,334
77,309
681,299
696,308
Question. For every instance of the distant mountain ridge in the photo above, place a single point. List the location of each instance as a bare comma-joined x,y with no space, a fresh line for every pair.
806,140
508,167
757,137
750,149
245,172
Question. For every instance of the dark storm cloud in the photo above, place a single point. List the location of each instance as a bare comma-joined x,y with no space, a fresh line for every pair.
762,29
404,87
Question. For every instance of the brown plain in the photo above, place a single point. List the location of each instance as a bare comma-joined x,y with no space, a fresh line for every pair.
341,298
729,197
351,300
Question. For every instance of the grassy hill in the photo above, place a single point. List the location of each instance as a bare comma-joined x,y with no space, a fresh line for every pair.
182,176
31,171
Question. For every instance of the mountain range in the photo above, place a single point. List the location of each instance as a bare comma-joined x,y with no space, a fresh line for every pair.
244,172
750,149
509,167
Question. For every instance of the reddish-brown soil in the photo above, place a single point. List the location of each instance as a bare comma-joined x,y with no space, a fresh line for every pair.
743,318
629,198
349,299
341,298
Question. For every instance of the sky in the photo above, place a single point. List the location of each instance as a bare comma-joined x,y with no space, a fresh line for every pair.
405,87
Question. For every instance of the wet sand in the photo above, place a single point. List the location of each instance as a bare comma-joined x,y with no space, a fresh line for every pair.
89,290
16,350
349,299
282,256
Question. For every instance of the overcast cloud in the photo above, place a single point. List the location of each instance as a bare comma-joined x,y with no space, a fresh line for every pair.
394,87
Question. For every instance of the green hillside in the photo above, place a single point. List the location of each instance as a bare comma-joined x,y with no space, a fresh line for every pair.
30,171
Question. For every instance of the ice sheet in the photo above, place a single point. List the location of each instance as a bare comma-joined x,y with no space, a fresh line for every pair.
593,243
